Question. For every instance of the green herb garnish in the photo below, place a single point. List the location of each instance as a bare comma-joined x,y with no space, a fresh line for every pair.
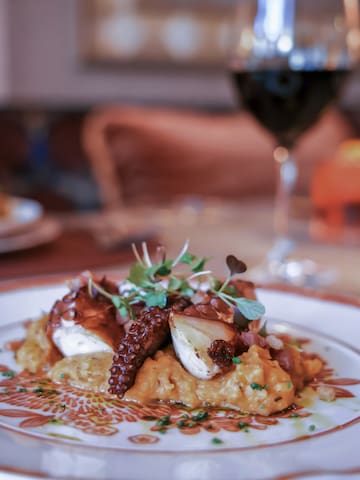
312,428
216,441
9,374
236,360
200,416
256,386
152,283
242,425
163,421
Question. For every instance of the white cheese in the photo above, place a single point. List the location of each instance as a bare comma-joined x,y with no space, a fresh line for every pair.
73,339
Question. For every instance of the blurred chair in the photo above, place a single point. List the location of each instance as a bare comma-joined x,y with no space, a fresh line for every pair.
155,155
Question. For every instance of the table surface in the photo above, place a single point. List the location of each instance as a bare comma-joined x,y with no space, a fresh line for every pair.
214,229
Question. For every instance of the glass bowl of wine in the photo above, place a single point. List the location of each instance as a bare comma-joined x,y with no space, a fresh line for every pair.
288,61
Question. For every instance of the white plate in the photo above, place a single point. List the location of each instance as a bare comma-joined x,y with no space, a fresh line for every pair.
23,213
44,231
92,443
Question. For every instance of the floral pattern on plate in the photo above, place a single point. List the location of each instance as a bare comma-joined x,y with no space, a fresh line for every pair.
33,404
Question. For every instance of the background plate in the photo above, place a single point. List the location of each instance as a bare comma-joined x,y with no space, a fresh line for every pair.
23,214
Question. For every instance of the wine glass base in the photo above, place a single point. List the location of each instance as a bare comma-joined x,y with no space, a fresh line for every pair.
298,272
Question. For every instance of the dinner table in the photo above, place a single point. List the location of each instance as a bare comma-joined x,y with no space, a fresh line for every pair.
38,445
101,241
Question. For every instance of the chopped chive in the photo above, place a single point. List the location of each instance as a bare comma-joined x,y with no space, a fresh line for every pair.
242,425
55,421
163,421
256,386
216,441
200,416
312,428
9,374
236,360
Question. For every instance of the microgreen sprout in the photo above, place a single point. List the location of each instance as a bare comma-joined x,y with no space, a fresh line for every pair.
152,282
251,309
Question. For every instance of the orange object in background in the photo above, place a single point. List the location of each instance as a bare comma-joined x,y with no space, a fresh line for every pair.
335,195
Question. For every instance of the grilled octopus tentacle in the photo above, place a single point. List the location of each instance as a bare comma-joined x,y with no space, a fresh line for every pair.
96,314
145,336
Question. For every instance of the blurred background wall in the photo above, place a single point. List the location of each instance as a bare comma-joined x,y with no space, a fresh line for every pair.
45,66
47,88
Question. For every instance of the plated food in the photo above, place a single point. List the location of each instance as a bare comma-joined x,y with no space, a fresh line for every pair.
170,334
52,428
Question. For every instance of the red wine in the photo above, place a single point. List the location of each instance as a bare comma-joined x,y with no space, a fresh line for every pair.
287,102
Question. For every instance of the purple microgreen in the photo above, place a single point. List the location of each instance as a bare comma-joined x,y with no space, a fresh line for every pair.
235,265
94,291
161,253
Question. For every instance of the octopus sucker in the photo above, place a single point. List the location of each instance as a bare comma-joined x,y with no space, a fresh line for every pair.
145,336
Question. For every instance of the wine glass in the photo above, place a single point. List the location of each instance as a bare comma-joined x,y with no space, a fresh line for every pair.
288,60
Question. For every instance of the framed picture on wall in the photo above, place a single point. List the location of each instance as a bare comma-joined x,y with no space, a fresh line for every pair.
176,32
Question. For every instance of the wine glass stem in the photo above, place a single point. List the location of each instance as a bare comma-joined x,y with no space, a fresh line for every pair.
286,180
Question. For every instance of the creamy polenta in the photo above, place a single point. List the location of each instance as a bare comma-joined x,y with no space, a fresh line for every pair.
257,384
